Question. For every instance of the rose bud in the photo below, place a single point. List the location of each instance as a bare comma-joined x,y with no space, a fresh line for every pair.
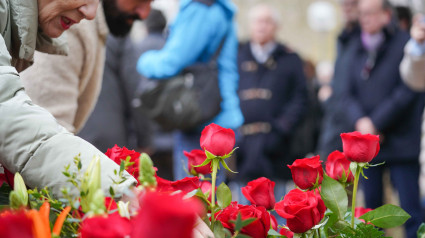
217,140
260,192
360,148
197,157
338,167
307,173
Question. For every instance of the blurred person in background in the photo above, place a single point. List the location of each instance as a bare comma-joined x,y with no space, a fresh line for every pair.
195,36
378,102
333,123
412,70
70,89
120,80
273,96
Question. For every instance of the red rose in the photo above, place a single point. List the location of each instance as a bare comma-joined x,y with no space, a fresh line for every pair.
164,215
302,210
307,172
286,232
260,192
186,185
15,224
206,187
257,229
338,167
360,148
117,154
111,226
359,211
217,140
273,222
197,157
110,204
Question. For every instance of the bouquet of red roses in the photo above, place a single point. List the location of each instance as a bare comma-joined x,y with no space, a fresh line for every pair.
194,207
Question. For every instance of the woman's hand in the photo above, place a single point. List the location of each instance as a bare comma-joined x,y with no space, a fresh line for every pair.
418,29
201,230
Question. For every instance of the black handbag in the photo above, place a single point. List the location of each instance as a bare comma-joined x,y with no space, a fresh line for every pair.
185,101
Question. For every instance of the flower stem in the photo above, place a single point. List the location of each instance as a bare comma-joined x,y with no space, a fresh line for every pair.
317,233
353,201
215,164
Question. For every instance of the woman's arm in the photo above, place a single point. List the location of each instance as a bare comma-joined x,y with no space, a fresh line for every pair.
35,145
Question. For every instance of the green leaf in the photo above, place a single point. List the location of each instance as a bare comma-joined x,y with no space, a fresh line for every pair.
274,233
323,223
242,236
224,195
229,154
421,231
218,230
386,216
362,230
206,161
238,222
4,194
248,221
209,155
334,196
226,167
112,192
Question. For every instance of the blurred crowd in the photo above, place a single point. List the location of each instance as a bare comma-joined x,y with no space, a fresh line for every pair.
281,106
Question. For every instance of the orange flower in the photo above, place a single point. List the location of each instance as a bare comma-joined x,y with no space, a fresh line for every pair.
41,223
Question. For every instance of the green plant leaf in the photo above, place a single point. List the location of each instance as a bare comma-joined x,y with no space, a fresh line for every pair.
334,196
226,167
321,224
273,233
224,195
362,230
218,230
206,161
4,194
237,222
242,236
386,216
209,155
421,231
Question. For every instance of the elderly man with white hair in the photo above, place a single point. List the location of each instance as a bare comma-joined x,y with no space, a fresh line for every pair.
273,94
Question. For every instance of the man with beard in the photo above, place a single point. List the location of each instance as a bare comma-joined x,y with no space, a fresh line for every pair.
70,89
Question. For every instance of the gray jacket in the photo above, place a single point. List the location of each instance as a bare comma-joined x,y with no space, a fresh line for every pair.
31,141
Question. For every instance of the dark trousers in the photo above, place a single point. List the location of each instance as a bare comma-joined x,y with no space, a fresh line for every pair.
405,179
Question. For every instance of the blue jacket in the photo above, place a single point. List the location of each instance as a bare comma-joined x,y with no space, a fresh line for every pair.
394,109
194,37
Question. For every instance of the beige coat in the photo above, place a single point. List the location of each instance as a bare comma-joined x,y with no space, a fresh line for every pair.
31,141
68,86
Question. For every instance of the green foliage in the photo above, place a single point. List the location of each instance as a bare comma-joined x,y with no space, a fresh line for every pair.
421,231
386,216
334,195
239,223
362,230
19,196
4,194
274,234
147,172
224,195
